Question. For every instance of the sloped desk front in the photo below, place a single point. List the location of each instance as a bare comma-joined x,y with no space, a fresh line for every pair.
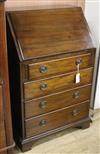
50,47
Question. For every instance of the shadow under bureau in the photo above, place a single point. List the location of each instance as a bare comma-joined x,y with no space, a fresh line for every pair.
51,63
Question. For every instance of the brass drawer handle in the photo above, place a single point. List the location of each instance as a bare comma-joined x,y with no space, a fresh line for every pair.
43,69
76,94
43,86
78,61
75,112
43,105
43,123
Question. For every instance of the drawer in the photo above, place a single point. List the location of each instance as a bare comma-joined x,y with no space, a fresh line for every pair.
58,66
41,124
51,85
57,101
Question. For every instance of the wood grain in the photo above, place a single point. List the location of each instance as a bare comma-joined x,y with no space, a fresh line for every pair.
57,101
56,119
58,66
42,59
6,108
65,28
55,84
2,124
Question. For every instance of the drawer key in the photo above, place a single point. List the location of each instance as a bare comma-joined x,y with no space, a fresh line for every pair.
75,112
42,105
43,86
43,69
43,123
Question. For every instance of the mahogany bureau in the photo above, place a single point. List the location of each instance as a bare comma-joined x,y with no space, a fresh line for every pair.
51,62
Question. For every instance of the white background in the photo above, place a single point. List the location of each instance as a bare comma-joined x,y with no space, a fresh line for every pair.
92,11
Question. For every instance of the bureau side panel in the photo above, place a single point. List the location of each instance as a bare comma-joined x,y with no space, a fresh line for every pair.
15,89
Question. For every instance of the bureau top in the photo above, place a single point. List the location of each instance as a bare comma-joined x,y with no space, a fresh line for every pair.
40,33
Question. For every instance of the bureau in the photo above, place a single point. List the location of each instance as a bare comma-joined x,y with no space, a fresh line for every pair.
51,63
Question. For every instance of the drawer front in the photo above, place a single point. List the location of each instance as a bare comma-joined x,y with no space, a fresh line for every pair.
57,101
53,120
56,84
59,66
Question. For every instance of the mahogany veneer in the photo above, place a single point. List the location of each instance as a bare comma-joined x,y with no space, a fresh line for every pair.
47,47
